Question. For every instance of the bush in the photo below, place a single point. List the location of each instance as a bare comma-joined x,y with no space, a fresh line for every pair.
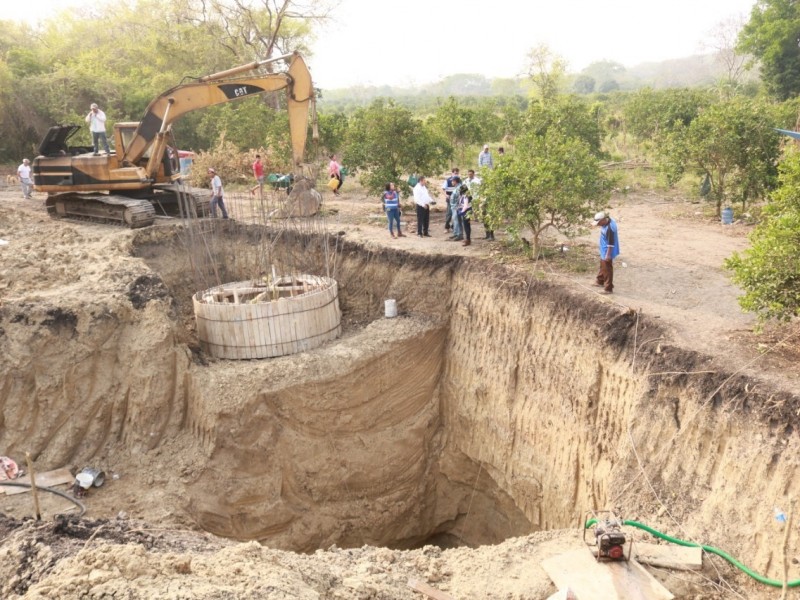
769,271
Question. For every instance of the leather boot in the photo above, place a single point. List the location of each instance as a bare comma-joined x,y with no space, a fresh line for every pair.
466,243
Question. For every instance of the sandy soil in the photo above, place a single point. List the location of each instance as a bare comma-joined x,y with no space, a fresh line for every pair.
670,268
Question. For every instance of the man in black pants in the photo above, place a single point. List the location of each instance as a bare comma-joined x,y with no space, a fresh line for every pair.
423,201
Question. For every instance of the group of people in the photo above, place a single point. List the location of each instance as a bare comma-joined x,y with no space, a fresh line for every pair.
459,196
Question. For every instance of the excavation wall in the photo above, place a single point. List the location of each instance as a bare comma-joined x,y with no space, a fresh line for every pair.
496,404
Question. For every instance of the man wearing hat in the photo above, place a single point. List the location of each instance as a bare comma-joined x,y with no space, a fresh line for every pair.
485,158
216,194
97,125
24,174
609,249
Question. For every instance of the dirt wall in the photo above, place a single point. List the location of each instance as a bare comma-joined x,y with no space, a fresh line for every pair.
570,404
496,405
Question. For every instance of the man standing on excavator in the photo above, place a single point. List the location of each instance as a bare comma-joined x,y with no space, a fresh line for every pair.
97,125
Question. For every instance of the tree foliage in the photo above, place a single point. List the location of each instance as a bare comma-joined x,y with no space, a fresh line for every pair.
552,179
583,84
52,73
769,271
570,114
460,125
649,113
546,70
386,144
733,143
771,35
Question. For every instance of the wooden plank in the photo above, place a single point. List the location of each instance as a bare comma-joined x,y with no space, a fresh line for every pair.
592,580
669,556
47,479
258,325
249,330
431,592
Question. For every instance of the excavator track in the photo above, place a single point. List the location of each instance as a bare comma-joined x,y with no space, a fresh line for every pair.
130,212
183,201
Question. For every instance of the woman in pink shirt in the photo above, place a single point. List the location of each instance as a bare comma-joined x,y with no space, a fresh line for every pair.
334,172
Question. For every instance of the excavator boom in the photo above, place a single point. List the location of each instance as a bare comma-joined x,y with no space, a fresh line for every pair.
224,87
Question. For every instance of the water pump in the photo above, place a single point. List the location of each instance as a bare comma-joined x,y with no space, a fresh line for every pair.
609,538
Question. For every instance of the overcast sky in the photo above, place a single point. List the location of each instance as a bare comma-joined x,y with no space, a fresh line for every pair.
419,41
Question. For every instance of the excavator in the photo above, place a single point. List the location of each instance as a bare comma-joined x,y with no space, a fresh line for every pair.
143,172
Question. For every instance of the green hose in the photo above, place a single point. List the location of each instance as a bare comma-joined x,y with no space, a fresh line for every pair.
710,549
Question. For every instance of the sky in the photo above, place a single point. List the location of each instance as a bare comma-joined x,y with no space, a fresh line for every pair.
376,42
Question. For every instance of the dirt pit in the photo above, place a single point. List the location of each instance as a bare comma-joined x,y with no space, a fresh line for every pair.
476,427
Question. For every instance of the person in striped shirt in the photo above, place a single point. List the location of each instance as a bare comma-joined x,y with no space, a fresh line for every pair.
391,204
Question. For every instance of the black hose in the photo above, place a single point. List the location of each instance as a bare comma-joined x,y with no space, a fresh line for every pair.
75,501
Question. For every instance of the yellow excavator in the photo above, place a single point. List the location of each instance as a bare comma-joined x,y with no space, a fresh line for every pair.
143,173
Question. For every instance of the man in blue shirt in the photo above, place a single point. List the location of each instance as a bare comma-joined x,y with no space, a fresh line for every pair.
448,188
609,249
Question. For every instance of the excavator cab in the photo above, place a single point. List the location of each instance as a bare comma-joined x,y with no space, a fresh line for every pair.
56,142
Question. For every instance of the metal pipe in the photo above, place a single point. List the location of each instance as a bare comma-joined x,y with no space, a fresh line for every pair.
170,102
248,67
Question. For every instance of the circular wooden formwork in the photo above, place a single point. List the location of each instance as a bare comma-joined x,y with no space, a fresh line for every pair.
248,319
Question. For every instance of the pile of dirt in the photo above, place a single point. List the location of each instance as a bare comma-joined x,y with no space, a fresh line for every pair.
121,558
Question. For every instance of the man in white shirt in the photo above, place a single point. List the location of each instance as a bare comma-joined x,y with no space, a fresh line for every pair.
423,201
97,125
24,174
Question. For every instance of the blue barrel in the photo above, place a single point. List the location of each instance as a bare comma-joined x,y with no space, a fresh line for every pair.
727,215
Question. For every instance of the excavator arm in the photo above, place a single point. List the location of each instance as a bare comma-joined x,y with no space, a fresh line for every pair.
222,87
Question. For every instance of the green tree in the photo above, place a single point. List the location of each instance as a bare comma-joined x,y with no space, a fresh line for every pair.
609,85
512,115
552,180
572,115
546,70
733,143
385,142
583,84
769,271
771,36
649,114
605,70
332,131
461,126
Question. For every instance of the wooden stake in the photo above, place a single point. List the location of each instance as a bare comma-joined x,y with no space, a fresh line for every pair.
35,492
786,551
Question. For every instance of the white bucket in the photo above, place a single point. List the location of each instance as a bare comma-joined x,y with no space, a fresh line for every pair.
391,308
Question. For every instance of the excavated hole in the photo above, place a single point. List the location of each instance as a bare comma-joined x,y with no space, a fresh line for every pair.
498,403
447,505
